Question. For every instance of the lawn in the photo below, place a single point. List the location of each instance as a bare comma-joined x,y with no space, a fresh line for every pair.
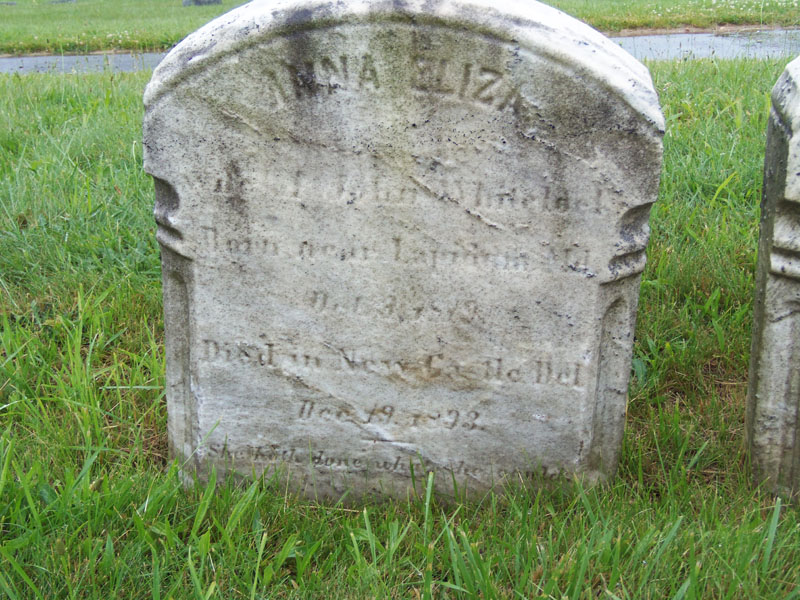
91,25
91,507
614,15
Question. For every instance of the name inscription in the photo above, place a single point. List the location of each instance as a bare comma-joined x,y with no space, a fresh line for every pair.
359,185
324,75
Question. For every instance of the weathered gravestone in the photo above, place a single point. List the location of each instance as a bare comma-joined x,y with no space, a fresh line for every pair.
400,235
773,428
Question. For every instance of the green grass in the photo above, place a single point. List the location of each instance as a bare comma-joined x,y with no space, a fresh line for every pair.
91,25
91,508
613,15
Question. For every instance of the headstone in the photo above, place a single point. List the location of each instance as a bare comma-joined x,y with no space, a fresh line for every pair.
774,388
400,237
200,2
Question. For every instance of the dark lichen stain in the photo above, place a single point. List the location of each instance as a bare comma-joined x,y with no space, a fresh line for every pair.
300,16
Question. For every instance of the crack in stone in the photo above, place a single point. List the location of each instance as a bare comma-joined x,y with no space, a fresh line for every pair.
472,213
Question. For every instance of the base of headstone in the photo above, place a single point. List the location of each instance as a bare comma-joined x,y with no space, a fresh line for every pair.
200,2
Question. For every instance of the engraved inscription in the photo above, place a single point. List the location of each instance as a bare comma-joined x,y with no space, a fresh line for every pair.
329,73
398,250
388,414
401,464
392,307
281,357
482,85
357,187
325,459
465,81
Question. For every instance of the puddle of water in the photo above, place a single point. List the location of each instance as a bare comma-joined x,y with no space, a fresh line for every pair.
681,46
91,63
754,44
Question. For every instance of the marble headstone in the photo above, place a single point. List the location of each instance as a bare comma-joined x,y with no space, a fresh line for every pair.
400,237
773,402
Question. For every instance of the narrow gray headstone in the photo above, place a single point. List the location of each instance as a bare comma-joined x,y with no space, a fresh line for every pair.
774,390
200,2
400,235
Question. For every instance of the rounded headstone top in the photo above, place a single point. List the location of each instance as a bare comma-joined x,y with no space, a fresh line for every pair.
786,103
533,26
786,97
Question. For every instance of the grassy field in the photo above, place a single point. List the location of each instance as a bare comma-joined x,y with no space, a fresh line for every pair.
614,15
91,25
90,507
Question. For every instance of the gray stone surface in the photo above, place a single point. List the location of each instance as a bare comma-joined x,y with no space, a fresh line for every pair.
400,235
774,389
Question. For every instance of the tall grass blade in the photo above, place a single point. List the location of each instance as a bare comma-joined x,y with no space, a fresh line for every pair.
21,572
770,539
205,501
